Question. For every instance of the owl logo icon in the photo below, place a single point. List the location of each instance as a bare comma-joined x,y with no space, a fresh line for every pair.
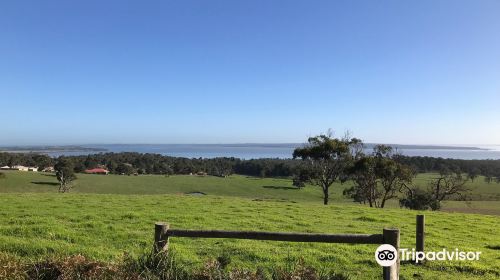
386,255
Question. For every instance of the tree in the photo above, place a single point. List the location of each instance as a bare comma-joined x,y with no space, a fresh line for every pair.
111,165
418,199
300,177
447,185
79,167
365,182
220,167
124,169
327,159
168,170
488,178
90,162
65,174
378,177
473,173
42,161
13,160
393,176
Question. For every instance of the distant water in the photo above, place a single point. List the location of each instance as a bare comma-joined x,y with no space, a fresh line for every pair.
252,151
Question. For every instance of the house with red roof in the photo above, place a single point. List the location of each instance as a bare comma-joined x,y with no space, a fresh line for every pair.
97,171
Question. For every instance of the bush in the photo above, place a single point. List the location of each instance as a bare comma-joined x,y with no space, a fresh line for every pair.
417,199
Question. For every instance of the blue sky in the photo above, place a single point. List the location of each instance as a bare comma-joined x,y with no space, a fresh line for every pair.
410,72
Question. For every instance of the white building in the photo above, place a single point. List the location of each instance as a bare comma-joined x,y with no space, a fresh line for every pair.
19,167
24,168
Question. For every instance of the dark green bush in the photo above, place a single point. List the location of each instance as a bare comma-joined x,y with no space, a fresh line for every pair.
417,199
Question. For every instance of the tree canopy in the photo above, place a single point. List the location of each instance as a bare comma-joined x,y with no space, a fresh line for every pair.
65,174
326,160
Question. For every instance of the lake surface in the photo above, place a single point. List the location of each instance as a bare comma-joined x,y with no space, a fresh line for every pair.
251,151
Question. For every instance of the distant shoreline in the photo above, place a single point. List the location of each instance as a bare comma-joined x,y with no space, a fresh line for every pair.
90,148
245,150
49,149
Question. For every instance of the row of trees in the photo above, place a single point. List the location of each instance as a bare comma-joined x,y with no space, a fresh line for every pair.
158,164
490,169
26,159
377,177
128,163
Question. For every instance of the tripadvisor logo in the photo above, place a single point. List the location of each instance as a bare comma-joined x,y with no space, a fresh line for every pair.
387,255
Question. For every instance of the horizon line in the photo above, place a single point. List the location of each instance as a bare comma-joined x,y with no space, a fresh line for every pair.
235,143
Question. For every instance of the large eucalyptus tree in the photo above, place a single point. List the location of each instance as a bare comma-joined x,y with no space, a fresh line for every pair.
326,160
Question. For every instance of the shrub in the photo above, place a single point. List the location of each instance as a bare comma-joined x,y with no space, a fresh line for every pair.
417,199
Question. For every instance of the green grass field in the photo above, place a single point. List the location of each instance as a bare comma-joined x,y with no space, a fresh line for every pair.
239,186
485,196
106,216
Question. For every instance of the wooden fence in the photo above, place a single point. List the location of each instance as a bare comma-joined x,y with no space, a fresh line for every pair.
388,236
420,235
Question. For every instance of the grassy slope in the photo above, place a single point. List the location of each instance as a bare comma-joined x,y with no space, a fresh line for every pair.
105,226
232,186
239,186
486,196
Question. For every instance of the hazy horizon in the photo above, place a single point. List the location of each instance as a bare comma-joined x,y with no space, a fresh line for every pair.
249,150
237,143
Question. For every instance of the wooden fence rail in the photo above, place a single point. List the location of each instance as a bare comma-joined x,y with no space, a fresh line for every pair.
389,236
291,237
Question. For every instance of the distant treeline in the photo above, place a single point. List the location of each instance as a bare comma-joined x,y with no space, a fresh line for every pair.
487,168
130,163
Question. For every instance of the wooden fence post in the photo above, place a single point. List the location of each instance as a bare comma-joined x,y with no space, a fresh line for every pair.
391,236
420,236
161,237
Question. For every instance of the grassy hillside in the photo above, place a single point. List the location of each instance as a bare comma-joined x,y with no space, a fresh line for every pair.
107,216
235,185
103,227
486,196
239,186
